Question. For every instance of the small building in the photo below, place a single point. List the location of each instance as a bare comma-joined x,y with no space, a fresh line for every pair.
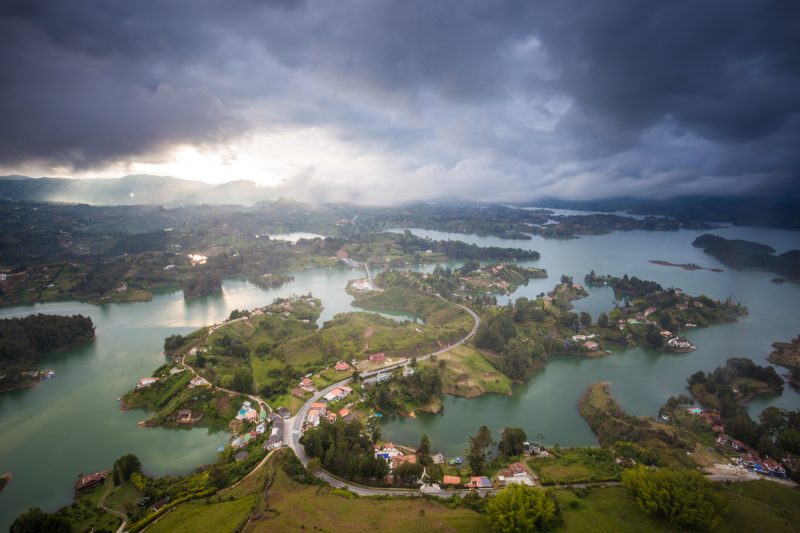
378,357
159,504
398,460
591,346
298,392
343,412
479,482
307,385
408,371
451,480
90,481
146,382
198,381
240,456
341,366
438,459
284,413
666,333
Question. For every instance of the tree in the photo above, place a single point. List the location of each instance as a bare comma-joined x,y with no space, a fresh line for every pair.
424,451
408,473
519,508
511,441
684,498
602,320
654,338
124,467
478,452
585,318
242,381
173,342
34,520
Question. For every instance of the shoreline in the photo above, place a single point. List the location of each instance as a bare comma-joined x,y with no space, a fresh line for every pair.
686,266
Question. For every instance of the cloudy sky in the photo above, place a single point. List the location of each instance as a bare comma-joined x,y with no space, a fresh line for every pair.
379,102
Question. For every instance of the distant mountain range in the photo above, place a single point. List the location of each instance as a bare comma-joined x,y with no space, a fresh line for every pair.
133,190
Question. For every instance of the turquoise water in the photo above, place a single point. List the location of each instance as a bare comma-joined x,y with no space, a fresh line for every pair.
73,423
641,379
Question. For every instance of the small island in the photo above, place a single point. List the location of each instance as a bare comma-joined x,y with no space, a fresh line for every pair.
787,354
23,340
741,254
685,266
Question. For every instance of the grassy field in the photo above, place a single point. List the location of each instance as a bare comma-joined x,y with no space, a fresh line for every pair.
292,507
219,517
674,446
762,506
467,373
576,465
604,510
84,514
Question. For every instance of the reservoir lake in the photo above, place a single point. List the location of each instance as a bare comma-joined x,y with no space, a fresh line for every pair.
72,423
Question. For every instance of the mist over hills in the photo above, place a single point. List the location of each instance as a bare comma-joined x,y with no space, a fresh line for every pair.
132,190
167,191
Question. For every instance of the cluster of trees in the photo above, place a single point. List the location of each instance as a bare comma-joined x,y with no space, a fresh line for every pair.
125,467
238,314
480,447
204,279
344,449
34,520
233,347
280,380
511,441
173,342
520,509
419,388
777,431
630,286
720,381
22,339
461,250
684,498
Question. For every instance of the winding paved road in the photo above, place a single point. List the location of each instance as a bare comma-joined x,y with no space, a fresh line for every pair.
293,427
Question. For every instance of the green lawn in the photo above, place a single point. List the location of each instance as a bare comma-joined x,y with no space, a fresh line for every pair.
467,373
762,506
198,517
294,507
576,465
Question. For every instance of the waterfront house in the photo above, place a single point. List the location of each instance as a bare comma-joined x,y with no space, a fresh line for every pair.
591,346
438,459
666,333
146,382
91,480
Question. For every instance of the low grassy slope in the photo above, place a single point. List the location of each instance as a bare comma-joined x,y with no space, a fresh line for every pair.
577,465
294,506
466,372
762,506
220,517
611,424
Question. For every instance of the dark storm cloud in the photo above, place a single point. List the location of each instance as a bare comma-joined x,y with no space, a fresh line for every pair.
489,98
